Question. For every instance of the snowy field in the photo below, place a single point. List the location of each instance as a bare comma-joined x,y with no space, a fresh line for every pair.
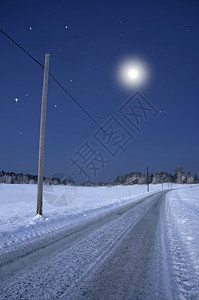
108,243
18,223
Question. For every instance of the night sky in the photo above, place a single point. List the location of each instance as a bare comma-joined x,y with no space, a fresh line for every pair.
88,42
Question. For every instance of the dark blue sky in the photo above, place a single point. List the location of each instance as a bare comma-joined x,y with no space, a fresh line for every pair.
84,58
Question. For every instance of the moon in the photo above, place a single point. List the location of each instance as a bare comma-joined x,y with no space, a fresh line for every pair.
133,73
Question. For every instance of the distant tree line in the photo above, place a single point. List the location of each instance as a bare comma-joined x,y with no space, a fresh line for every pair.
19,178
180,176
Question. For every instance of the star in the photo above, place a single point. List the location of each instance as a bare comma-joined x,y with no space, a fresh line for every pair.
16,100
66,27
71,80
20,133
162,112
27,95
30,28
55,105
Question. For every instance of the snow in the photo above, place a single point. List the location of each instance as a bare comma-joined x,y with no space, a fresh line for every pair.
18,222
184,215
126,243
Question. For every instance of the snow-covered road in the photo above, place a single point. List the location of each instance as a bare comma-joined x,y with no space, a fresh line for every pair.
130,252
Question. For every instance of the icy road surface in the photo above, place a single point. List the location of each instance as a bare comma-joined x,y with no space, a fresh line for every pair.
132,252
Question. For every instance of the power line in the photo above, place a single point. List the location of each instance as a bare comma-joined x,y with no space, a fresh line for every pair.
63,88
53,77
78,104
22,48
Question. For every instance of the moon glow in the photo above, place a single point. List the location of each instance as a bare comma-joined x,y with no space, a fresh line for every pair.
133,72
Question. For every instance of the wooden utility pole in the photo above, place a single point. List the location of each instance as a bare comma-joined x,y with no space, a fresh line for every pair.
147,178
42,136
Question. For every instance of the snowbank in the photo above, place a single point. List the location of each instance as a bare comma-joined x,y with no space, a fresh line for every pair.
184,215
62,207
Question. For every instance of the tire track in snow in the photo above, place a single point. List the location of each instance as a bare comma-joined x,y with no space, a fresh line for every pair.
134,252
123,273
69,266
